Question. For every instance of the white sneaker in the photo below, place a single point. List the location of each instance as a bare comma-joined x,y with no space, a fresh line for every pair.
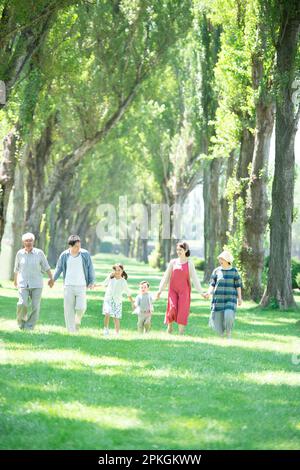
105,331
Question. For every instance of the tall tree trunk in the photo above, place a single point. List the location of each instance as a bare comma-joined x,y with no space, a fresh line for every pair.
246,154
211,45
144,254
161,262
56,226
18,212
279,286
81,223
143,248
125,246
224,204
60,220
175,228
256,212
12,236
36,167
7,173
132,250
242,171
94,243
137,244
211,215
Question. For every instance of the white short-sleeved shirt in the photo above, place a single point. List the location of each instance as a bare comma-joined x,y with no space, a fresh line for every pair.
116,288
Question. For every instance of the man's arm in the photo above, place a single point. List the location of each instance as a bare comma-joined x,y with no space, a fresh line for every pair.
239,293
46,268
91,273
16,280
16,270
58,269
51,281
211,287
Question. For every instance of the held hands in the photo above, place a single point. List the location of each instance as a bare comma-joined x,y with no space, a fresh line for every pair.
91,286
157,297
98,285
51,283
206,295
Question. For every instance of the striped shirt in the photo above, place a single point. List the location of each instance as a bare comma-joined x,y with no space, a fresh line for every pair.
225,283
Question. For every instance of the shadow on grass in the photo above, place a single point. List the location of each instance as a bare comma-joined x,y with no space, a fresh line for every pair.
89,392
93,408
65,391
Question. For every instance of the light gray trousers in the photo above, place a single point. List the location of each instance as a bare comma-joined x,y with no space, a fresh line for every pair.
74,306
222,322
26,321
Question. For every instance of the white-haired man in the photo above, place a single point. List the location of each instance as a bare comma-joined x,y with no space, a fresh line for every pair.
30,264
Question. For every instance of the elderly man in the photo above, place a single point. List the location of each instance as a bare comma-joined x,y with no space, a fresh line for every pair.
78,273
30,264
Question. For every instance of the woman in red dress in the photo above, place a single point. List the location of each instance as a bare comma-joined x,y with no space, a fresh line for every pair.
178,275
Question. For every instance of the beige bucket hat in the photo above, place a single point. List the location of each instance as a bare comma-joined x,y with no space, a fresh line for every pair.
227,256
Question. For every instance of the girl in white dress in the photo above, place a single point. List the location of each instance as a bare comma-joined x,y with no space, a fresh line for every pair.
116,285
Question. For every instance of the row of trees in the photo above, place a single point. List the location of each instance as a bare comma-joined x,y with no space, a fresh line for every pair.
148,99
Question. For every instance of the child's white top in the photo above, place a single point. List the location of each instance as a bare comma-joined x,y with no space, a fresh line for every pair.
115,288
192,272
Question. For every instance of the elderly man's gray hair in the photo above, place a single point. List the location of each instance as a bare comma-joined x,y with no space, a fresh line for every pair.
28,236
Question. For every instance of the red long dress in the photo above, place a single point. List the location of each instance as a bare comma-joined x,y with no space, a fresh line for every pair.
179,295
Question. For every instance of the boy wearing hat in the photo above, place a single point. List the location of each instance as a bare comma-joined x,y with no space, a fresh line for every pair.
226,287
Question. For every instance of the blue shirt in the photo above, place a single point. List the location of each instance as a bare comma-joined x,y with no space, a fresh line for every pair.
87,264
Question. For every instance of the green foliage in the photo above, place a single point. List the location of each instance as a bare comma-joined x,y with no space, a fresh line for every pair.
233,81
236,237
199,263
236,223
155,259
295,266
298,280
273,304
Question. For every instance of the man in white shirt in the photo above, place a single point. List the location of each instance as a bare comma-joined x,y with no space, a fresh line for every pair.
78,273
30,263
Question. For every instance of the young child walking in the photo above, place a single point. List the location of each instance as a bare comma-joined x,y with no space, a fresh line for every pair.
116,285
144,307
226,290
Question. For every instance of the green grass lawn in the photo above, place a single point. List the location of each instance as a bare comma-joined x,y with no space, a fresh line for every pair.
198,391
